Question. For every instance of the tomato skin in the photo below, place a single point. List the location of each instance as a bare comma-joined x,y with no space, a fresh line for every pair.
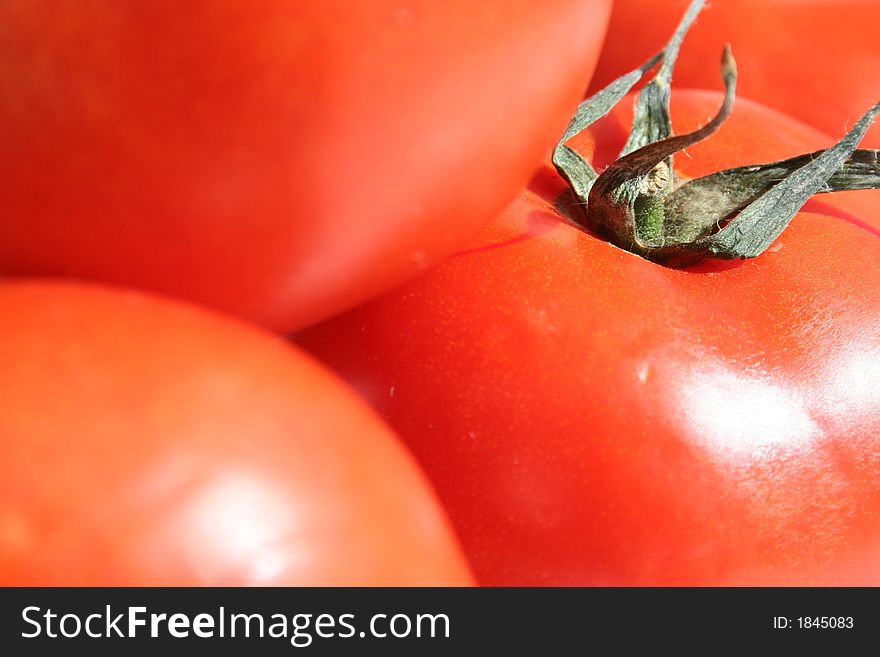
816,60
149,444
279,161
591,418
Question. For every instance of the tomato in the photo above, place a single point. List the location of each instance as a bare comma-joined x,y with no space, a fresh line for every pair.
592,418
147,443
817,60
278,160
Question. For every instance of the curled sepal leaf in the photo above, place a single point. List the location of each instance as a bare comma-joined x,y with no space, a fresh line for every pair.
576,171
710,200
750,232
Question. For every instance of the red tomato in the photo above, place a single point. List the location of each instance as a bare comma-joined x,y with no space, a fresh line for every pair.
592,418
145,443
817,60
278,160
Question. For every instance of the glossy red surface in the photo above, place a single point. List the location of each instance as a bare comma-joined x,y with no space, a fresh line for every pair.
146,443
591,418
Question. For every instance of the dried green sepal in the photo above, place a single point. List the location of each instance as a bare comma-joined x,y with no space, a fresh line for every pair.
638,204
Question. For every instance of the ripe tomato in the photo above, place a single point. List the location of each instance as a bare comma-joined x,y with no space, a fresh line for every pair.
278,160
145,443
817,60
592,418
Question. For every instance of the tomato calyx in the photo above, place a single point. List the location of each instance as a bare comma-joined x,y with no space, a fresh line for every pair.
639,204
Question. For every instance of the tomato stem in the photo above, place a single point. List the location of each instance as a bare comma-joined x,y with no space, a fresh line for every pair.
637,204
627,202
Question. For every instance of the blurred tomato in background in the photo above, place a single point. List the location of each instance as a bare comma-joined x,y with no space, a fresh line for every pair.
281,161
148,443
